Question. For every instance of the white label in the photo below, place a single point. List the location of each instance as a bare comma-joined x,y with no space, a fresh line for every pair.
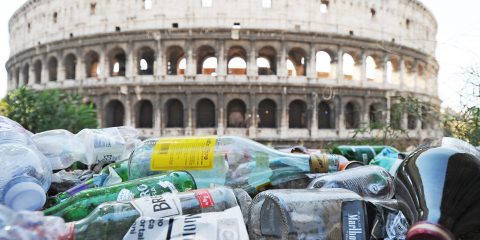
125,195
108,145
160,206
226,225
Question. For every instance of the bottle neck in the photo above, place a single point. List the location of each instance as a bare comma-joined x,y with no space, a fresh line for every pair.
428,231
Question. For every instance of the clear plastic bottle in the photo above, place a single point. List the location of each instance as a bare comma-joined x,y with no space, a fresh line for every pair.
226,160
26,174
61,147
366,181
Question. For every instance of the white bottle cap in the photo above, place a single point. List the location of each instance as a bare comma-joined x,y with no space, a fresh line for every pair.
25,196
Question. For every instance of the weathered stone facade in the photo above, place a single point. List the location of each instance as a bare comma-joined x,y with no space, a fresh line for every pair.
307,70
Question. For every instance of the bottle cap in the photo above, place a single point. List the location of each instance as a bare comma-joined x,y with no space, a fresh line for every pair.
350,165
428,231
25,196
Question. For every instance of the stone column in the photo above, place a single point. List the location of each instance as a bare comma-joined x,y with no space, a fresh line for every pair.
340,115
314,117
312,66
61,73
128,110
363,70
157,115
160,61
191,68
385,71
189,128
130,65
282,71
401,69
222,61
365,112
340,65
252,69
252,116
284,115
104,64
80,68
31,74
221,115
44,73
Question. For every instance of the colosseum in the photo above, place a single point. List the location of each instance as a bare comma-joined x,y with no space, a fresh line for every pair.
272,70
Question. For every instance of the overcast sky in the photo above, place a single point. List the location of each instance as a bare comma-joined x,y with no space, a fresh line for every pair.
458,43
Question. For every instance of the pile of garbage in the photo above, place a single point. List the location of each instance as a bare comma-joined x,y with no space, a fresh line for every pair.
107,184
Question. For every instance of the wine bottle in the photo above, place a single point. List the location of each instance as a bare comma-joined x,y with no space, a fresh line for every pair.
363,154
82,204
442,185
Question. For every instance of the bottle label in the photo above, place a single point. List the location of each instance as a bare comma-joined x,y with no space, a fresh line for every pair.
164,205
204,198
195,153
108,145
353,220
125,195
226,225
319,163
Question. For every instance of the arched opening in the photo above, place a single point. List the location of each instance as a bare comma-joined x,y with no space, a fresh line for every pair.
237,63
205,114
348,66
411,121
297,114
174,114
325,116
393,71
147,4
52,69
266,61
323,64
206,61
114,114
267,113
37,68
389,72
92,60
298,61
371,68
410,69
117,62
352,115
25,73
236,110
376,115
144,117
70,66
146,61
176,61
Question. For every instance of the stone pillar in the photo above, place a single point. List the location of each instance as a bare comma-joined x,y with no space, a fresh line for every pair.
282,71
252,116
340,65
365,112
363,69
401,69
160,61
128,110
191,69
157,127
130,64
314,117
61,73
80,68
44,73
284,115
340,115
189,128
252,70
31,74
221,114
104,64
312,66
222,61
416,86
385,71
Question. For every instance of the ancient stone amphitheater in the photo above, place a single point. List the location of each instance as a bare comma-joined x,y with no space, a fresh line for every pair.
272,70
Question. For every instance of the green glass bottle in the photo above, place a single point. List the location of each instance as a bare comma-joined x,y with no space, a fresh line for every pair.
363,154
112,220
82,204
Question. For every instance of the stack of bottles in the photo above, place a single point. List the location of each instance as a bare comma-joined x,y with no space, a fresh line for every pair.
228,187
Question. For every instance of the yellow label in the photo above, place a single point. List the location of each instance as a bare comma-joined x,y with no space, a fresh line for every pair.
192,153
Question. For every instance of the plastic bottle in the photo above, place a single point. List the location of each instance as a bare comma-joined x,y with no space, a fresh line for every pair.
226,160
366,181
121,215
226,225
358,153
61,148
26,174
25,225
442,186
82,204
387,158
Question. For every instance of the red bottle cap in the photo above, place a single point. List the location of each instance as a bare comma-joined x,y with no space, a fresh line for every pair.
350,165
428,231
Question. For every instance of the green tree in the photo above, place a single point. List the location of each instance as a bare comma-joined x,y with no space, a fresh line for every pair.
40,111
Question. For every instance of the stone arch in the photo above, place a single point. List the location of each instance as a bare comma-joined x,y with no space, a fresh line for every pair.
175,112
323,61
114,114
236,110
37,68
393,70
117,60
376,115
326,116
348,66
206,60
237,61
267,61
144,114
92,64
146,61
297,114
352,115
205,113
52,69
371,68
26,74
70,63
175,56
298,58
267,113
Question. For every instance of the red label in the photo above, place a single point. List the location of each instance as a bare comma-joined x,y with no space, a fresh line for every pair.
204,198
